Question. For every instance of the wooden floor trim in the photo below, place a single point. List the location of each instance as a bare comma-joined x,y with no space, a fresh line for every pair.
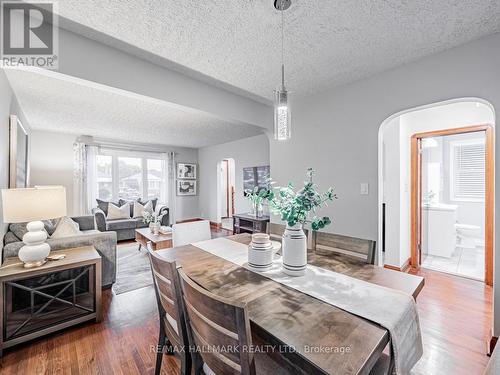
404,268
189,220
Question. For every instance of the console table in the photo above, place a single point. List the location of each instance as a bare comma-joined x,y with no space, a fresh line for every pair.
38,301
246,223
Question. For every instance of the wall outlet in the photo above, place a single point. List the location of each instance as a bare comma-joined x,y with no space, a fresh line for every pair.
363,188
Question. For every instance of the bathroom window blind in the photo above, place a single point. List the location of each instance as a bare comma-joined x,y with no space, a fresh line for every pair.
468,170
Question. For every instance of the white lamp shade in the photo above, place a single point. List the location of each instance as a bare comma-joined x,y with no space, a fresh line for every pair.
32,204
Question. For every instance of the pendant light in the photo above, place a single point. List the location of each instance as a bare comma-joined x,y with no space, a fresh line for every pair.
282,115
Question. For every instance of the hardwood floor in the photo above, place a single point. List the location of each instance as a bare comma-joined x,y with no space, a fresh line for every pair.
455,315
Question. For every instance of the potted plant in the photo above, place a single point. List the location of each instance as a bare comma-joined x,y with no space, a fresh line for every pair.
256,197
153,219
295,207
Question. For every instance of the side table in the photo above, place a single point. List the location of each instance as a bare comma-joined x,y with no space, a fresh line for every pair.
38,301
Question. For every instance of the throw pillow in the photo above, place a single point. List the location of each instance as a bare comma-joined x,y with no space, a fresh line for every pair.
50,226
153,201
10,238
19,229
115,212
130,204
139,209
66,228
103,205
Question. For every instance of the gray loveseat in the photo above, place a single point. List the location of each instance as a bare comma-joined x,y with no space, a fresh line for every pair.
125,228
104,243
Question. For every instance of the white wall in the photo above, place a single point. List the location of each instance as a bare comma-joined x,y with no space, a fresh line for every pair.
336,131
453,115
52,161
248,152
5,103
391,191
52,164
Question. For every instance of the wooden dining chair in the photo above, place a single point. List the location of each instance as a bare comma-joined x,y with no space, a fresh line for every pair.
194,231
328,243
173,332
215,322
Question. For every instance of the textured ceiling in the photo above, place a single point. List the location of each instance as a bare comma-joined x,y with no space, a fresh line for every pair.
82,108
328,42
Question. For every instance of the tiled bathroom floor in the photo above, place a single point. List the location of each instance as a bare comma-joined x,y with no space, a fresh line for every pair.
464,262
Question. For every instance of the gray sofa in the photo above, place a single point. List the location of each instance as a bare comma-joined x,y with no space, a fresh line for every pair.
124,228
104,243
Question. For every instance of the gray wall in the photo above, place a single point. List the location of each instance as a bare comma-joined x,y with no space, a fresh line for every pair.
127,69
336,132
5,103
247,152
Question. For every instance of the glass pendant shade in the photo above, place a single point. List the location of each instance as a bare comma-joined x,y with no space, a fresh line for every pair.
282,115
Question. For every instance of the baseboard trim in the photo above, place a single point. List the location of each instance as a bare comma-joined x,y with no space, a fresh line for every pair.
189,220
405,267
215,225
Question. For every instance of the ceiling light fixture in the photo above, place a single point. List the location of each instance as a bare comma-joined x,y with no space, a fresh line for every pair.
282,118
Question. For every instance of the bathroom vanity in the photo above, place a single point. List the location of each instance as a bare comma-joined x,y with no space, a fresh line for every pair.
439,237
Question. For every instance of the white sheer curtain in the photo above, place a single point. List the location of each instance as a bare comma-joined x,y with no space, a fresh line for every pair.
91,182
171,187
84,178
79,173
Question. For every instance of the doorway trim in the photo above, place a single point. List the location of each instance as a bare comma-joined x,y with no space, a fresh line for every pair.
489,194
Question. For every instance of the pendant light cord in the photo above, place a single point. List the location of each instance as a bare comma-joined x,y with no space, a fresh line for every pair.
282,46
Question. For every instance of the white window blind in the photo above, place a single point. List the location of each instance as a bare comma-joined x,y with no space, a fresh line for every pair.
468,170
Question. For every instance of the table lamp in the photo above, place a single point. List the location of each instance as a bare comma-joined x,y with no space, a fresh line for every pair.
33,205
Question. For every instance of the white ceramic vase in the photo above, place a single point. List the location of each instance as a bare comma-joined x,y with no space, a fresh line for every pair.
260,252
294,250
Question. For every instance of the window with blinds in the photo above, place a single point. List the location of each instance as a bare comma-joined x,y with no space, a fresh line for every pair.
468,170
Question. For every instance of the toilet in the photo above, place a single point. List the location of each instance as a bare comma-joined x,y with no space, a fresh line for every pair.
467,235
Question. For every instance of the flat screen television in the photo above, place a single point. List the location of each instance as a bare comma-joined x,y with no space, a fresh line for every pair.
256,176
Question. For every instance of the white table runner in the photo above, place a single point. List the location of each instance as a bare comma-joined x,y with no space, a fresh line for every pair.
392,309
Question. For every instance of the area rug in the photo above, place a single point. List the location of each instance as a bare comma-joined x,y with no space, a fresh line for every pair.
132,269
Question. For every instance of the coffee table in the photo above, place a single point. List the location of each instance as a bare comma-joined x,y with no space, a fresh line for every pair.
160,241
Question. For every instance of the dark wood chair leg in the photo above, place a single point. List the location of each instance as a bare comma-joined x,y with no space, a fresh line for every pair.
198,364
159,355
168,345
186,363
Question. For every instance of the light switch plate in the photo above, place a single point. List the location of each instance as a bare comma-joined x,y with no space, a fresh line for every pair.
363,188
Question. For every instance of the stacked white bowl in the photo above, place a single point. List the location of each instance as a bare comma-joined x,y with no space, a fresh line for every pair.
260,252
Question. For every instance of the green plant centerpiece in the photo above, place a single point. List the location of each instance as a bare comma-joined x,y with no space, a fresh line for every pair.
257,196
295,208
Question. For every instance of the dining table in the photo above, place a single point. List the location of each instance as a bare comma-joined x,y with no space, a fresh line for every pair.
306,334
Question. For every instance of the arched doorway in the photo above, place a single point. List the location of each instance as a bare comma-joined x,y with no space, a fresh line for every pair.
399,229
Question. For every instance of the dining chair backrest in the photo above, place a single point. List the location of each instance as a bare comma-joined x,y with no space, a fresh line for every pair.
168,297
215,322
193,231
328,243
